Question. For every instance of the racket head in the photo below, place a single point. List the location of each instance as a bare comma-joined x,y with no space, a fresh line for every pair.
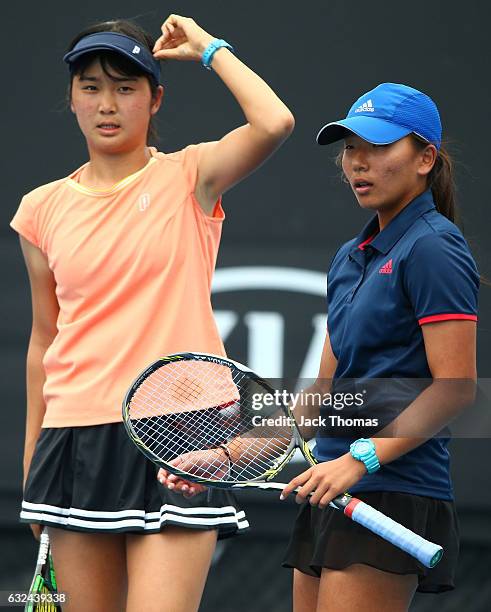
189,403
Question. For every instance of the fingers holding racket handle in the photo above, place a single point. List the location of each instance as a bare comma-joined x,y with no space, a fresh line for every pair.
424,551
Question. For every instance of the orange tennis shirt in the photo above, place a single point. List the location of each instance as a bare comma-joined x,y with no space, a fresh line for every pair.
133,268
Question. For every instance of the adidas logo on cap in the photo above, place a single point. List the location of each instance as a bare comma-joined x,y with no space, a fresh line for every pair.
366,107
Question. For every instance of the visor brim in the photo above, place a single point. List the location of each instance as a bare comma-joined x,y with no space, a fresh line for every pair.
73,56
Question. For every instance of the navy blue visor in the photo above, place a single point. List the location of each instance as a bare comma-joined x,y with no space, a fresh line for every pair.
124,45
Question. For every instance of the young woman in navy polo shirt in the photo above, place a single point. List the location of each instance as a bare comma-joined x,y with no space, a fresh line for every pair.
402,304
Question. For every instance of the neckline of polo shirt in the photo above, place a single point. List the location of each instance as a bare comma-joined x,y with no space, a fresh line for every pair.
386,239
366,242
366,237
102,193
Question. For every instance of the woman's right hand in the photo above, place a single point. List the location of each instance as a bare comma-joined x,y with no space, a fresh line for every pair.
182,39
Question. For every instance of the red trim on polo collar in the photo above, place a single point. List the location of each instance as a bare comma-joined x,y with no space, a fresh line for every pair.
365,242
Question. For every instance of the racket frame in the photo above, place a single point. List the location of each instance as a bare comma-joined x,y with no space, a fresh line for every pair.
428,553
269,474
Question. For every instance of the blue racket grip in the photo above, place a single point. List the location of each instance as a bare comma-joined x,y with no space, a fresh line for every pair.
424,551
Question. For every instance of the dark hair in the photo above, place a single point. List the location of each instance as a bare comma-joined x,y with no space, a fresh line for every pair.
440,179
113,60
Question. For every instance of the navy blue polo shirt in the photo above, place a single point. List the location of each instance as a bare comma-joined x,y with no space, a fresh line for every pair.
382,287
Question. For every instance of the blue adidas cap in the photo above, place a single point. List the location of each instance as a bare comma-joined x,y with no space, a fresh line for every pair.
386,114
133,49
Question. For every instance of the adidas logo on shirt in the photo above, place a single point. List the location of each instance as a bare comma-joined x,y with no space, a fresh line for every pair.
386,268
366,107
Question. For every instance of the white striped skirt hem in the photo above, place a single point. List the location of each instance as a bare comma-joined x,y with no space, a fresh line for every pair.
225,518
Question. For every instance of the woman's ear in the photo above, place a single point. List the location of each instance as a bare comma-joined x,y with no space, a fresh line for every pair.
157,100
427,160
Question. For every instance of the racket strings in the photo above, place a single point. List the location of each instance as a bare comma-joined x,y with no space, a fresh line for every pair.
174,433
184,389
184,410
164,394
45,588
258,458
184,386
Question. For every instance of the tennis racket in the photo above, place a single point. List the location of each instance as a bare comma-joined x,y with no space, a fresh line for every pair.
190,413
43,592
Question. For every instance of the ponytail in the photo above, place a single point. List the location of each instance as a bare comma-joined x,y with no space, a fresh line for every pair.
441,182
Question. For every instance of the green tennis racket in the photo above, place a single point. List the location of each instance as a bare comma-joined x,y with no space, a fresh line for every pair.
43,595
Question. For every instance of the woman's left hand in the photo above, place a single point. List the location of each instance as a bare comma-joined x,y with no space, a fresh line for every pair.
173,482
212,463
326,480
182,39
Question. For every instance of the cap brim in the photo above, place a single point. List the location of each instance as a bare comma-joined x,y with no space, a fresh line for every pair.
371,129
73,56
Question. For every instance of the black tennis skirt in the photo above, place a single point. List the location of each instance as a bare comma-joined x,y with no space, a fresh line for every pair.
327,538
94,479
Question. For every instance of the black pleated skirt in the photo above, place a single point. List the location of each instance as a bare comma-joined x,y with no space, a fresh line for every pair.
94,479
328,539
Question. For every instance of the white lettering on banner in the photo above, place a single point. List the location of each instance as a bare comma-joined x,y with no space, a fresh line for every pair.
312,360
266,330
226,321
297,280
265,343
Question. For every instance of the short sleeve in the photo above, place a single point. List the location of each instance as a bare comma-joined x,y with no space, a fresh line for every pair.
441,279
25,221
190,158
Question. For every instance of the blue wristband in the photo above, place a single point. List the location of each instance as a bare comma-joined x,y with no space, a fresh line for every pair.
211,49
